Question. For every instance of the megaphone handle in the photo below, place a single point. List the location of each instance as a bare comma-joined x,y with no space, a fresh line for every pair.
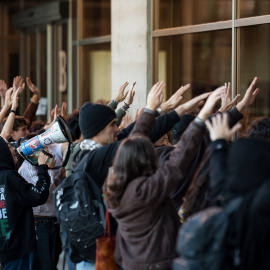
66,159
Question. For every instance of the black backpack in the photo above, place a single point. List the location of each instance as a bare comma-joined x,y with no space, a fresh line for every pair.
207,241
80,211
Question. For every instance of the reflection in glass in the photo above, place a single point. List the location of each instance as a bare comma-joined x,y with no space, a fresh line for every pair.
175,13
252,8
202,59
255,61
96,18
96,72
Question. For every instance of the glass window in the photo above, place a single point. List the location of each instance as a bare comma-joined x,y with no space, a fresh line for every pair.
96,72
175,13
255,61
96,18
249,8
61,80
202,59
43,63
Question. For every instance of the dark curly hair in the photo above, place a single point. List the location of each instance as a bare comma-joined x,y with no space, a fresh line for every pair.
259,128
72,121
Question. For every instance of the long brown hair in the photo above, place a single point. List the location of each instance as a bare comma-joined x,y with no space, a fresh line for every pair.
135,157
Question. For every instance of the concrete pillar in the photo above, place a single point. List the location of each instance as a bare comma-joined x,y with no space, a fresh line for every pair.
130,47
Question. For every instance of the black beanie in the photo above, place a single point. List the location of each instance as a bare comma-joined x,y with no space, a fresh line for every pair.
93,118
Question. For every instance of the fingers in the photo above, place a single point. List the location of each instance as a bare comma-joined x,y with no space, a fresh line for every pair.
235,99
183,89
256,92
236,128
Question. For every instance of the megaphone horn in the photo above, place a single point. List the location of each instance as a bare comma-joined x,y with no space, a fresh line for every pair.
58,133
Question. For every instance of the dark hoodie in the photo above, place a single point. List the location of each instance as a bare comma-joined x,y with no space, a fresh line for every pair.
17,197
244,171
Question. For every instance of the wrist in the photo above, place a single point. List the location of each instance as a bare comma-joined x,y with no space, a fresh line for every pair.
127,103
203,116
163,108
151,108
12,111
240,106
199,121
35,98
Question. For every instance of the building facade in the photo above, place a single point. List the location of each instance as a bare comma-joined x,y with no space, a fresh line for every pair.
83,50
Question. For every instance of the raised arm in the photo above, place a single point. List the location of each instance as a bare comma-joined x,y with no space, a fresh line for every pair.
249,96
220,132
30,111
7,105
6,131
147,119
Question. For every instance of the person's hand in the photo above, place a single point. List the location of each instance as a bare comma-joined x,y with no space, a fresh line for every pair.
44,159
8,98
155,96
226,102
219,128
52,162
249,96
15,99
175,100
3,88
18,83
138,113
210,103
192,104
64,110
57,111
126,121
130,95
120,95
35,90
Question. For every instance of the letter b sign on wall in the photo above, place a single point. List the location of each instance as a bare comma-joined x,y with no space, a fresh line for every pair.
62,73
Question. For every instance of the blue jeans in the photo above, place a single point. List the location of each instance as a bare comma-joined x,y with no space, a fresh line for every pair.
25,263
85,266
44,257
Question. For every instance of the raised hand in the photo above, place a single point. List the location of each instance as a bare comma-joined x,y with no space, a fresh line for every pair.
15,99
18,83
249,96
32,87
174,100
120,95
8,98
130,95
138,113
219,128
64,110
3,88
210,103
226,102
155,96
57,111
191,104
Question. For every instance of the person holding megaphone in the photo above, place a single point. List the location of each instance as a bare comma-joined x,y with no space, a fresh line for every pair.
17,197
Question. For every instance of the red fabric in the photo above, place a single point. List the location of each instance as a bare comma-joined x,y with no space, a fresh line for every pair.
105,249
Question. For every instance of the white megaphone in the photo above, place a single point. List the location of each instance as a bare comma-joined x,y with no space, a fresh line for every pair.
58,133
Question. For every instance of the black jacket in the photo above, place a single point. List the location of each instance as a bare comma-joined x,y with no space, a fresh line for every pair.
17,197
99,160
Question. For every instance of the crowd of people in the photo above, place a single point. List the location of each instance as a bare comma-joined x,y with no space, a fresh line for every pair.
174,160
